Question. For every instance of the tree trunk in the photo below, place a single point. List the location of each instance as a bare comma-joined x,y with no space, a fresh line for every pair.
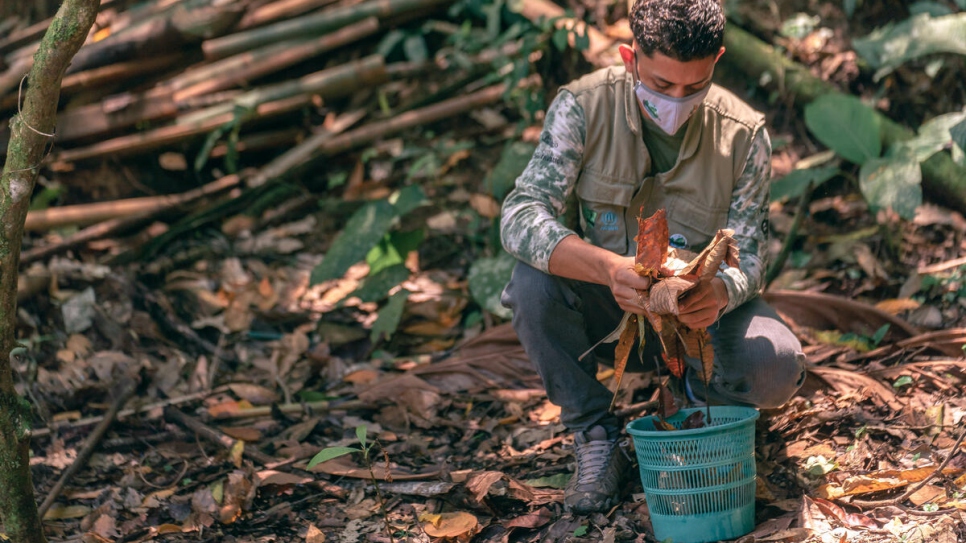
29,138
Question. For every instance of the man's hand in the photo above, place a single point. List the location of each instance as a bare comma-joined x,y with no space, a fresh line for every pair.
702,304
626,286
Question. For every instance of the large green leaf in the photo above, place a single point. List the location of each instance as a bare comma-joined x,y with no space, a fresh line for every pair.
892,182
513,161
389,317
365,228
487,278
888,47
934,136
329,453
845,125
377,286
393,249
958,134
407,199
795,183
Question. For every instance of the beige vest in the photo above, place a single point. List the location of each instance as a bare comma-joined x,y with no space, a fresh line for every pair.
613,187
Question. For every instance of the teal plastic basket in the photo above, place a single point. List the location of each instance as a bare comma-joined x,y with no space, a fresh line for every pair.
699,483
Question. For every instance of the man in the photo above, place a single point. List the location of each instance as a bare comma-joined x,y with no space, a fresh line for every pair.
654,133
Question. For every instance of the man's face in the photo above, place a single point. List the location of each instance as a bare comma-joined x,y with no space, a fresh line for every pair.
668,76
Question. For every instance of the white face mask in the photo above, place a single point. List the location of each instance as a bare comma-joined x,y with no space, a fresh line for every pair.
667,112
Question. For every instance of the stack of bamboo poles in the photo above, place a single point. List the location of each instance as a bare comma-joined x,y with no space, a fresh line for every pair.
167,74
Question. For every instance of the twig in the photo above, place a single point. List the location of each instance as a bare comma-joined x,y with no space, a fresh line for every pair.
322,405
204,431
636,408
127,387
41,432
913,489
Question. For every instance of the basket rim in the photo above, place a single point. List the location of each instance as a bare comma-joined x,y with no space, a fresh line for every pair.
752,415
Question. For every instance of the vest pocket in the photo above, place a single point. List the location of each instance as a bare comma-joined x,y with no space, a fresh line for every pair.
692,225
602,207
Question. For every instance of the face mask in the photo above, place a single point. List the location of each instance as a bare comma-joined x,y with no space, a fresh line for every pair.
667,112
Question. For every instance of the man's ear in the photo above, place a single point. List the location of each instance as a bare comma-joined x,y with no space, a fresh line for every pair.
720,52
627,56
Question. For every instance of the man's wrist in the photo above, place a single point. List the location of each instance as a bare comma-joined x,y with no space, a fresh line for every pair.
720,293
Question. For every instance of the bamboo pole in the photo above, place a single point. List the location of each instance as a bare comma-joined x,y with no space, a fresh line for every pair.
267,101
280,9
312,25
942,179
115,113
410,119
152,139
252,65
56,217
334,82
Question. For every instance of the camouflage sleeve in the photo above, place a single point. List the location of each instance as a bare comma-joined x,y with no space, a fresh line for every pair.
530,227
748,217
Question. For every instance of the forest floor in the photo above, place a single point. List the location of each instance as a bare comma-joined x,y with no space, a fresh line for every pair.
231,371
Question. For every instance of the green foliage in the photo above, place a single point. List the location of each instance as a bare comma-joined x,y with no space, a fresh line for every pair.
376,287
934,135
329,453
389,317
513,160
581,531
934,9
797,182
365,229
393,249
892,182
890,46
799,25
845,125
233,128
487,278
902,381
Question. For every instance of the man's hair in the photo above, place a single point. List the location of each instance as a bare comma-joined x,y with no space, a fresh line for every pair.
684,30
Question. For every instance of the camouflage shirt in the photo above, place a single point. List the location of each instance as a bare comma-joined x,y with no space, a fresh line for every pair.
532,219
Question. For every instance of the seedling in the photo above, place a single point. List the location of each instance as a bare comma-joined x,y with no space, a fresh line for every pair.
365,448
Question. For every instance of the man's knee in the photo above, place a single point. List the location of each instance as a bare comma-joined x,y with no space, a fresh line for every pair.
781,378
530,290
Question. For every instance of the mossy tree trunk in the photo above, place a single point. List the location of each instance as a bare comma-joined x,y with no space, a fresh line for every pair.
25,152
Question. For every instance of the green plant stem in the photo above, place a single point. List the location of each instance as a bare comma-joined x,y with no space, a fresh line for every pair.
800,211
375,483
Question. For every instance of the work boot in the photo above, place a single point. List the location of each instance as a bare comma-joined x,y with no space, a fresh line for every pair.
602,465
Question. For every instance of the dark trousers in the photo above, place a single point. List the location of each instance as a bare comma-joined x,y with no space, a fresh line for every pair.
758,361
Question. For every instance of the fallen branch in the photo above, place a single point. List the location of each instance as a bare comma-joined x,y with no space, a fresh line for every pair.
942,266
127,387
800,212
173,414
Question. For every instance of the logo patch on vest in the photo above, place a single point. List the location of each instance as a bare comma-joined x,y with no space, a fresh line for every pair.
678,241
590,217
608,221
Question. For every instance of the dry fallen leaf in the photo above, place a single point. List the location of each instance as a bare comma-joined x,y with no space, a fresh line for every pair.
449,525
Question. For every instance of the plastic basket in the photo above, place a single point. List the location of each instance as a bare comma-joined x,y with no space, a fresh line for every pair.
699,483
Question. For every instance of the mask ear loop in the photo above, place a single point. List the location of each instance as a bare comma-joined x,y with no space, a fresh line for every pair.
47,149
